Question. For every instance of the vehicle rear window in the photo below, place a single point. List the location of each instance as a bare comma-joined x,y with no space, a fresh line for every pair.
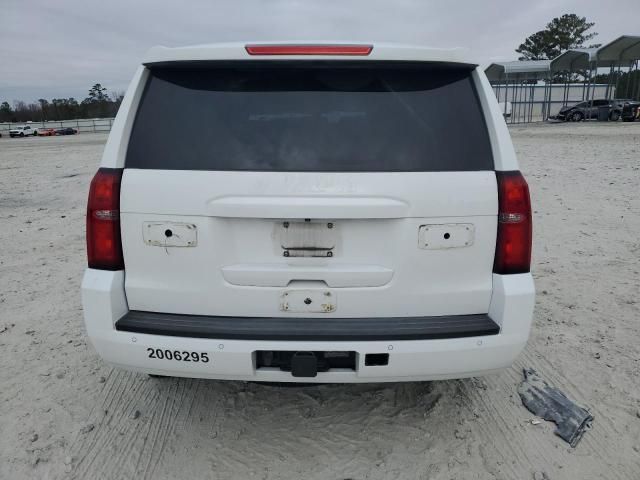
321,117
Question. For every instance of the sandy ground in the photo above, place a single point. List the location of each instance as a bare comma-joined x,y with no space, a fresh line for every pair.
63,413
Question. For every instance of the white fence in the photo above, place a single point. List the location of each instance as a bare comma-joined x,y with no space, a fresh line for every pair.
529,102
82,125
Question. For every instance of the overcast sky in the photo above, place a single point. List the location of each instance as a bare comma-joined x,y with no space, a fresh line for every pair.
59,48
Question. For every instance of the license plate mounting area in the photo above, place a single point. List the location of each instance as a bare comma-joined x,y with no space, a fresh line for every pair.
307,238
308,301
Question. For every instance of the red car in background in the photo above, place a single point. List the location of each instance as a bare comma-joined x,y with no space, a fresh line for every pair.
46,132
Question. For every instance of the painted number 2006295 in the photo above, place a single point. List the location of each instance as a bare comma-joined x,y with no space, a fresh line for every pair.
178,355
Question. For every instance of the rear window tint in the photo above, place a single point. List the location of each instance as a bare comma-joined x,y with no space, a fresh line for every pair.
322,117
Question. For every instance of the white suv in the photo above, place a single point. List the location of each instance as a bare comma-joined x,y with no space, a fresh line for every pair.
346,213
23,130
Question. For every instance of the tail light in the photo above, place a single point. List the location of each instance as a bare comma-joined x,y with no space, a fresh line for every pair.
104,246
350,50
513,246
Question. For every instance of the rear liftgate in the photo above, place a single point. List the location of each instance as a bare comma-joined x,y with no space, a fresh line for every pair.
322,200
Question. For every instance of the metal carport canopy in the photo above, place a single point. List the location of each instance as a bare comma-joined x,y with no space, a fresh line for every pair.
576,59
521,69
623,49
579,59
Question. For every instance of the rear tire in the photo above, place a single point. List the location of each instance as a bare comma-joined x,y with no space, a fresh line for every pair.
614,116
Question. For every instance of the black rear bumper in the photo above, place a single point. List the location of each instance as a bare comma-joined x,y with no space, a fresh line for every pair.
308,329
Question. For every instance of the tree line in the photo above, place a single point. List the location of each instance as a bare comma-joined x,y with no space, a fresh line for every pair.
97,104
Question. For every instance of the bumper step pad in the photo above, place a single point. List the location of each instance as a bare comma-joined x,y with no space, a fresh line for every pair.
308,329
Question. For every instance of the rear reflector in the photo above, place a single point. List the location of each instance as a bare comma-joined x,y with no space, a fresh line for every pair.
353,50
104,245
513,245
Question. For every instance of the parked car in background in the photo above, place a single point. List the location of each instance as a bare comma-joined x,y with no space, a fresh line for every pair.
46,132
311,231
23,131
589,110
631,111
66,131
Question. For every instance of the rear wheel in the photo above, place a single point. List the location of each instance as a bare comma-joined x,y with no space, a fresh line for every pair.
614,116
577,117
